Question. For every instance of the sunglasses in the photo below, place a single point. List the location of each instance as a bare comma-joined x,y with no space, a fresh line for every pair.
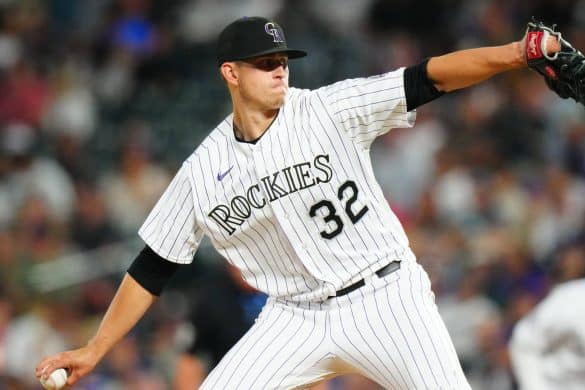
267,64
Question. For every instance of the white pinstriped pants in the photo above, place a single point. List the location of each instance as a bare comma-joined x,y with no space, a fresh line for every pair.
388,330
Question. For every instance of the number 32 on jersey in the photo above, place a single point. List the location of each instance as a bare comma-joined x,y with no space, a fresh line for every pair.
348,195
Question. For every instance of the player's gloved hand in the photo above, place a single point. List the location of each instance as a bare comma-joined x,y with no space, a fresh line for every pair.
564,70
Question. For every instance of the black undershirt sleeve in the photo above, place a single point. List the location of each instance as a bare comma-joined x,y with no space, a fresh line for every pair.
152,271
419,89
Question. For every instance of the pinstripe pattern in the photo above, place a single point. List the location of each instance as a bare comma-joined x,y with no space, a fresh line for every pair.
161,223
258,215
388,330
301,214
293,344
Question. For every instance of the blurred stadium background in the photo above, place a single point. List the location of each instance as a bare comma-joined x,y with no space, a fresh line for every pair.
101,100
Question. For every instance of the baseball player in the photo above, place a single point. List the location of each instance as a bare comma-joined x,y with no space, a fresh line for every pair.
547,347
284,188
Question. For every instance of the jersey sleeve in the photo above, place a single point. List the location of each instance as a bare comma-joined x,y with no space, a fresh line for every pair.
171,229
368,107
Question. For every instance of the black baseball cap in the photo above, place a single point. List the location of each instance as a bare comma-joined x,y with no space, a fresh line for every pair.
250,37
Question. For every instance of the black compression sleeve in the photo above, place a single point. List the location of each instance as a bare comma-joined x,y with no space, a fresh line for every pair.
152,271
419,89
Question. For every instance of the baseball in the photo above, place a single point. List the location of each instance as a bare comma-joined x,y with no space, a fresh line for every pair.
56,380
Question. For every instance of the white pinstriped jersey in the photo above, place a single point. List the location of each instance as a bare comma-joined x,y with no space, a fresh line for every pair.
299,211
548,345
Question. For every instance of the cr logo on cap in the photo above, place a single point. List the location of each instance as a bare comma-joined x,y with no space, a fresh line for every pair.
272,29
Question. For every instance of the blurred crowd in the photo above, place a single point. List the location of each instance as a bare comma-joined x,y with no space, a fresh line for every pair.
101,100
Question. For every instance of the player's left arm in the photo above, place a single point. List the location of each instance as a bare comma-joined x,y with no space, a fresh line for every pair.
464,68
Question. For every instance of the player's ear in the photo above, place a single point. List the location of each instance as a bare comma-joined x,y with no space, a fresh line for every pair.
229,72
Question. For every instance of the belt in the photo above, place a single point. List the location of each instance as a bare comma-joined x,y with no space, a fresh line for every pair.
384,271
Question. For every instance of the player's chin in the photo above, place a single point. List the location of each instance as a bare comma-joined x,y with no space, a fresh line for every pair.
277,101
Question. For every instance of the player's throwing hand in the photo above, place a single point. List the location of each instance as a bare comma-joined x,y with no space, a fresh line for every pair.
78,363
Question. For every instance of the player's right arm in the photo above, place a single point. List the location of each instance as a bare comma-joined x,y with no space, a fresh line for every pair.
171,235
128,306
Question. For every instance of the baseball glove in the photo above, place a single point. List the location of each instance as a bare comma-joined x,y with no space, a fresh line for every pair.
564,71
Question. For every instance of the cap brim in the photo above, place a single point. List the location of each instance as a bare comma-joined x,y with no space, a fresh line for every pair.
292,53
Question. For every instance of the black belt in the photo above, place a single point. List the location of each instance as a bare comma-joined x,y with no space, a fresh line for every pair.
385,270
